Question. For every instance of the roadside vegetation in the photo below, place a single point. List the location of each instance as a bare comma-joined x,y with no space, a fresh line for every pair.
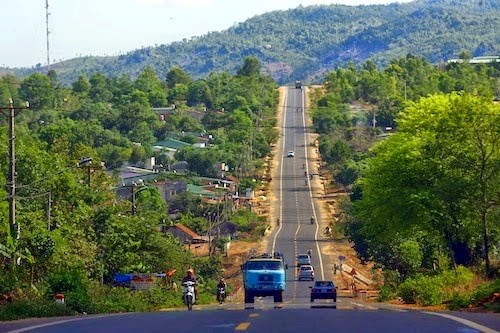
415,147
73,233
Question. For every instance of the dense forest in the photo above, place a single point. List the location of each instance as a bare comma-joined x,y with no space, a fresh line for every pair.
415,147
306,42
72,231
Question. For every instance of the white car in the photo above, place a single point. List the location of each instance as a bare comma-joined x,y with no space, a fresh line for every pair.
291,154
306,272
303,259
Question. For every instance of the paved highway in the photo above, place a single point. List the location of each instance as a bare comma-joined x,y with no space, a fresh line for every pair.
295,235
268,320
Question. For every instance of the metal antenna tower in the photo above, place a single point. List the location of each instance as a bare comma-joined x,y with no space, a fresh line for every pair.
48,32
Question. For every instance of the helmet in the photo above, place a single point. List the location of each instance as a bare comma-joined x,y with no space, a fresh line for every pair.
190,271
221,280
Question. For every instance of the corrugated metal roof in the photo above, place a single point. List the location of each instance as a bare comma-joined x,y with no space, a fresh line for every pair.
186,230
171,143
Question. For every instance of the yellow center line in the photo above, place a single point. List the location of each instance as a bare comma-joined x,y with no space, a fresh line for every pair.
242,326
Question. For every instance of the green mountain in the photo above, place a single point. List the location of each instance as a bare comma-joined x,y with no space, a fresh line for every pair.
305,42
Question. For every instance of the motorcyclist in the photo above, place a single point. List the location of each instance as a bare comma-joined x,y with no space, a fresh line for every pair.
190,277
278,221
312,219
309,252
221,285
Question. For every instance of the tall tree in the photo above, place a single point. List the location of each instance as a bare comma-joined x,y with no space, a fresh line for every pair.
149,83
177,75
437,176
251,67
38,90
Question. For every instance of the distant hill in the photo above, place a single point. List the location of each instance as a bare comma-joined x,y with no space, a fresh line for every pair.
306,42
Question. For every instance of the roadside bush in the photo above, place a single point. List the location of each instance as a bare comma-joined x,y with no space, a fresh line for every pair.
74,284
462,276
7,282
67,280
209,267
407,291
423,290
386,293
459,301
486,290
33,308
484,293
456,282
118,299
80,301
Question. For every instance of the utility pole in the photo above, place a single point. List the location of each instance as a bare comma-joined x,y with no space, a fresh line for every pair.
134,205
49,210
48,32
11,182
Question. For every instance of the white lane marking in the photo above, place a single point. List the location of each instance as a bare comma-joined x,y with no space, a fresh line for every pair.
466,322
281,172
29,328
310,191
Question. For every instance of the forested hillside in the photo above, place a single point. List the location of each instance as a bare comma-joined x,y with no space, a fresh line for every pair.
305,42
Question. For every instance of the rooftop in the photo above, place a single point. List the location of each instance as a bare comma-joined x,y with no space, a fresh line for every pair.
171,143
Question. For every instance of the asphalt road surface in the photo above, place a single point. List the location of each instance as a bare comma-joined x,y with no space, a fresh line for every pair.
294,236
263,320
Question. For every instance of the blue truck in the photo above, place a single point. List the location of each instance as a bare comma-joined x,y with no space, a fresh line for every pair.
264,276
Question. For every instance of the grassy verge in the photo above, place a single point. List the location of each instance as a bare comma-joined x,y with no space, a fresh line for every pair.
458,289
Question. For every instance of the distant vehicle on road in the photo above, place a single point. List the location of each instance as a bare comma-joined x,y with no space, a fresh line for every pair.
291,154
306,272
303,259
323,290
298,84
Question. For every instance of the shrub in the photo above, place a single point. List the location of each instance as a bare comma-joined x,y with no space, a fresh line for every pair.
74,284
117,299
8,281
67,280
31,308
80,301
484,293
459,301
422,290
410,256
408,290
385,293
456,282
209,267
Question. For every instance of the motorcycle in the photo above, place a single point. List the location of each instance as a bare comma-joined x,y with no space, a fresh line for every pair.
189,294
221,295
312,220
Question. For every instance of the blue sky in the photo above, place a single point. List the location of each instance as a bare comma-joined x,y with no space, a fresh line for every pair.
112,27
